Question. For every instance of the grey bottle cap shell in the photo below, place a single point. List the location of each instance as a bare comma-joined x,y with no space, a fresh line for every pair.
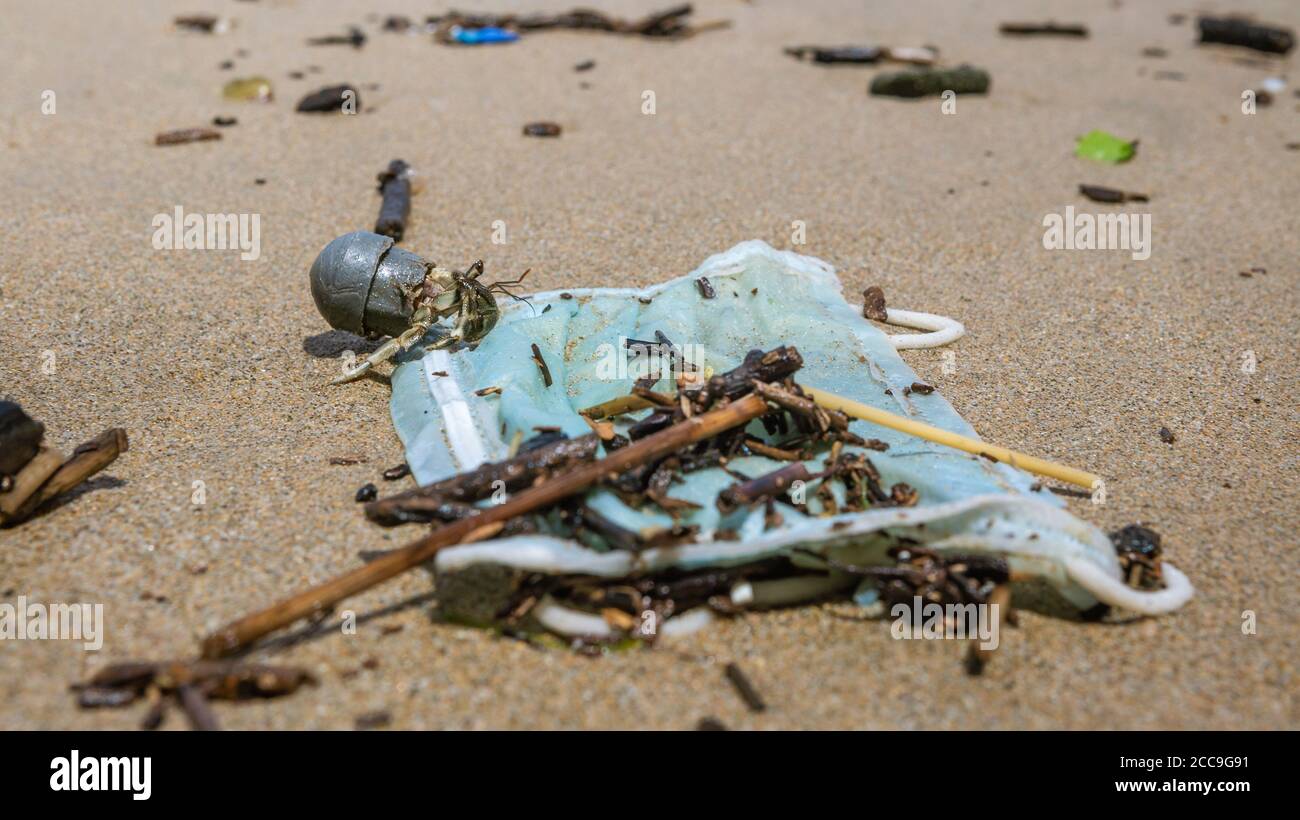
387,308
342,275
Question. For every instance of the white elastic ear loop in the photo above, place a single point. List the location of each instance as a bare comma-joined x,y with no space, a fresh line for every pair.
943,330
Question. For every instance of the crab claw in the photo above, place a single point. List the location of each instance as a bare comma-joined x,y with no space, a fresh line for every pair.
353,373
386,351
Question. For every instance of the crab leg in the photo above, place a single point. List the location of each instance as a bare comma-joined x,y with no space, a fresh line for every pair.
388,350
457,333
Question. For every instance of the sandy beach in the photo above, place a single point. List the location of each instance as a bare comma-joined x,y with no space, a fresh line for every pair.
217,367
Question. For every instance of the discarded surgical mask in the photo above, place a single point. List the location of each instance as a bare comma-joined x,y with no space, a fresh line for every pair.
751,296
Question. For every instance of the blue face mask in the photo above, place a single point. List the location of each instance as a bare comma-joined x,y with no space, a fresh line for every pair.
761,298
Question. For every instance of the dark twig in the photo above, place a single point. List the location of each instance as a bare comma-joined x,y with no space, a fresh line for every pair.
745,688
541,365
192,683
395,187
513,474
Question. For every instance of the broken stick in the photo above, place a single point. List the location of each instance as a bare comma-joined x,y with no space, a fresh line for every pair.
772,485
424,503
616,407
88,459
241,633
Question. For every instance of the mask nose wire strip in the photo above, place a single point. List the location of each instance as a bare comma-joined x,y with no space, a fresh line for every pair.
943,330
466,446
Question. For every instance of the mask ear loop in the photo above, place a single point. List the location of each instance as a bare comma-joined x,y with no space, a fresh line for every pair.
1178,590
943,329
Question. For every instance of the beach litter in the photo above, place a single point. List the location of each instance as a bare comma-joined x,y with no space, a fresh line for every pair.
864,55
248,89
395,206
355,38
331,98
21,436
33,474
1103,147
926,82
1235,31
184,135
372,720
842,54
188,684
542,129
205,23
745,688
1100,193
1139,549
1273,85
486,35
1049,29
633,504
670,23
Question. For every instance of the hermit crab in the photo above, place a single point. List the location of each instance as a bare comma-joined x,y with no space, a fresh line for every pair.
364,285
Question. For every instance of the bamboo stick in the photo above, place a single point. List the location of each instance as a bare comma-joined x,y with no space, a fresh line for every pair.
929,432
321,598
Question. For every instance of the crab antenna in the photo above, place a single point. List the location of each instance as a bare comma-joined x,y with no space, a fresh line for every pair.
500,287
521,278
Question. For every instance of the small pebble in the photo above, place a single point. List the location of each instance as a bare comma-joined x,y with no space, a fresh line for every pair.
542,129
331,98
373,720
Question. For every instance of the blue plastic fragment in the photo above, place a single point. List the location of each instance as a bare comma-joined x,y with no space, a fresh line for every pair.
482,36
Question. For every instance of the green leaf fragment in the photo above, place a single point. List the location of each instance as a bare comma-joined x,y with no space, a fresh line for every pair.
1103,147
